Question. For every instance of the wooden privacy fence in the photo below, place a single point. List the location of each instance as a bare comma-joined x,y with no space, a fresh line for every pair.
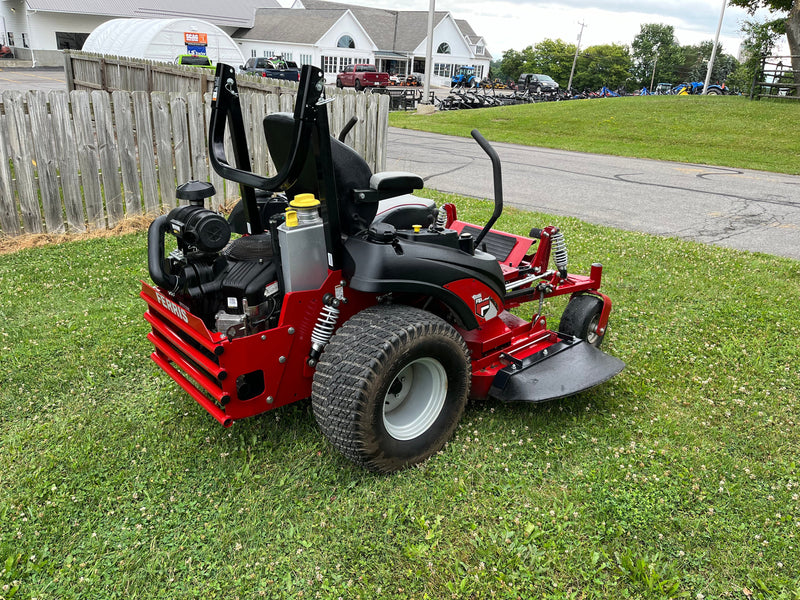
88,71
78,160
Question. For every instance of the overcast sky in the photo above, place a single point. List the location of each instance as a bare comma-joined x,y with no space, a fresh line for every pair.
519,23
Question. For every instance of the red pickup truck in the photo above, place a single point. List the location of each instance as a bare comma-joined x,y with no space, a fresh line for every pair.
361,76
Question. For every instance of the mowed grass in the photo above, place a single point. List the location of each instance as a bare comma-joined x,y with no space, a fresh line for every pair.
678,478
718,130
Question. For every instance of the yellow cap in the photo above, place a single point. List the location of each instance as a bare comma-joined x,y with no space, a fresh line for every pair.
304,201
291,218
416,228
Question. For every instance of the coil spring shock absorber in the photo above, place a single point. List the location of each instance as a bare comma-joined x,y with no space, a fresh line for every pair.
441,218
324,327
560,253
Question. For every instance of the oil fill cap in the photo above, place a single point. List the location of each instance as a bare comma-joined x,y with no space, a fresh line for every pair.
383,233
304,201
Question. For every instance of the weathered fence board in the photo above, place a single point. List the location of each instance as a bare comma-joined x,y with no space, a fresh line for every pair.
109,157
88,158
45,157
20,136
180,138
67,160
9,214
123,118
163,134
91,158
147,156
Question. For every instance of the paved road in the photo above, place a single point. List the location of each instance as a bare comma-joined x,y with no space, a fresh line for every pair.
737,208
32,79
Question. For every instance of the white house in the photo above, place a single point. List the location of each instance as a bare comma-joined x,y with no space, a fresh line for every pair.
333,35
328,34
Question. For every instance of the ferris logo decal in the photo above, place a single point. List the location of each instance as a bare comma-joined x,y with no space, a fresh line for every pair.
485,308
172,307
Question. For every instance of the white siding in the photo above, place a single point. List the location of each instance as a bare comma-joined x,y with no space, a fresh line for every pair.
44,25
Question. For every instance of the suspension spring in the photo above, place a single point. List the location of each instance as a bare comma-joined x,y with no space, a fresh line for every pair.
441,218
560,253
324,327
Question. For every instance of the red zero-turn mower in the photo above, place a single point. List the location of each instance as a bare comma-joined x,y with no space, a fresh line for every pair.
343,287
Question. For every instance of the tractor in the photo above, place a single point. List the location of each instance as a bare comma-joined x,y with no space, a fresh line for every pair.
330,283
465,78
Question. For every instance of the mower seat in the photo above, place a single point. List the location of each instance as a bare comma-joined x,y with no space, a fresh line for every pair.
398,206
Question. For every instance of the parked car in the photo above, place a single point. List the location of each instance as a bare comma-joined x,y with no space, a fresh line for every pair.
537,83
274,67
362,76
194,60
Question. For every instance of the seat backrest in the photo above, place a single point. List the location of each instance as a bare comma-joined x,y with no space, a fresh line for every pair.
350,170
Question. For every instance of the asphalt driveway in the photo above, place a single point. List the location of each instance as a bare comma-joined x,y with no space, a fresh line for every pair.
736,208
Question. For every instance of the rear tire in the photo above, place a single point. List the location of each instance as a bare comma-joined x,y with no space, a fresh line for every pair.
581,319
358,85
339,83
391,386
712,93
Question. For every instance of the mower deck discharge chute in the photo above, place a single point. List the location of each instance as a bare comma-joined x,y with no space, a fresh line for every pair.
343,287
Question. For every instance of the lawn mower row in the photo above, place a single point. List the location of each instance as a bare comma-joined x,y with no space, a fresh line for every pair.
333,283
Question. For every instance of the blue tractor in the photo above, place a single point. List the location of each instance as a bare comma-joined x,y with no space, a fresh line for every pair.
465,78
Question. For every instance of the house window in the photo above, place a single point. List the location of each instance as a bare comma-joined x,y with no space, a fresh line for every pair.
25,40
253,53
269,53
329,64
306,59
479,72
479,49
10,39
287,56
346,42
444,48
441,69
345,60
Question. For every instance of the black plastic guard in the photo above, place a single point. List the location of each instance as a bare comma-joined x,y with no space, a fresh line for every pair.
563,369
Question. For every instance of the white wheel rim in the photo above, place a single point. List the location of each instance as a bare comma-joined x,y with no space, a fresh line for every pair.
415,399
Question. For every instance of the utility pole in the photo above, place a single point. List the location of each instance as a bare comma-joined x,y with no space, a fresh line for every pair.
575,60
426,88
714,50
653,76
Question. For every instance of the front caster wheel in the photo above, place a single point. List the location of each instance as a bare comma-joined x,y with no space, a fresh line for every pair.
581,318
391,386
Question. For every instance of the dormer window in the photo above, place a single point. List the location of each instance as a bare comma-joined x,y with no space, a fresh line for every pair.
479,49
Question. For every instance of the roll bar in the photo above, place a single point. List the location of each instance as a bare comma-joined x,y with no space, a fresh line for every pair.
226,110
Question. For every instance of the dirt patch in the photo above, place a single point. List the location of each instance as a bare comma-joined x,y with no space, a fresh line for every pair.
10,244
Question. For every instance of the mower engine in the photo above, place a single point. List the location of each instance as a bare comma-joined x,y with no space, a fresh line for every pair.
231,286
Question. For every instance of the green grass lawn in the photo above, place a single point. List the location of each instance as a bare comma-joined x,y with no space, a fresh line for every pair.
728,131
678,478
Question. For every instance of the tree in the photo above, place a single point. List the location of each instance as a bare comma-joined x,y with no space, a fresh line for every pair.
791,23
760,38
696,60
656,48
604,65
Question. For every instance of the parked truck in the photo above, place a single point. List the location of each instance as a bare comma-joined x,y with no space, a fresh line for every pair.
273,67
362,76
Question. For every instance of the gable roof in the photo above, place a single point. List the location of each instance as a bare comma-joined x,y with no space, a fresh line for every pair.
390,30
225,14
